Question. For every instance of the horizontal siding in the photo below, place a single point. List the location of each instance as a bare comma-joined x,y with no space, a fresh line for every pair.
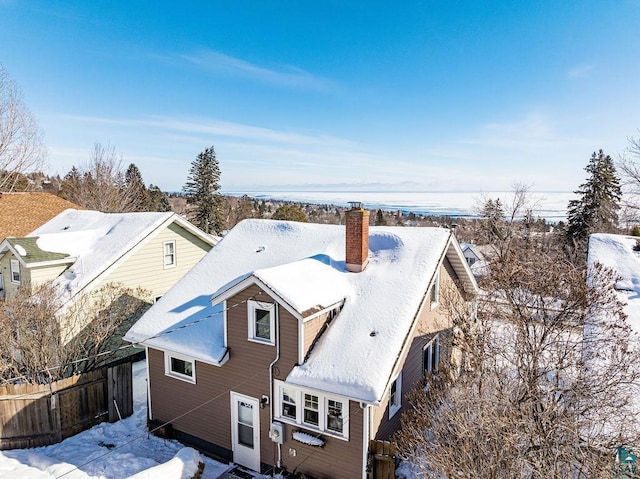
246,372
311,329
145,268
49,273
337,459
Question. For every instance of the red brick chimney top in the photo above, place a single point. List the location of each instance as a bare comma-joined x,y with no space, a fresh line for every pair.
357,237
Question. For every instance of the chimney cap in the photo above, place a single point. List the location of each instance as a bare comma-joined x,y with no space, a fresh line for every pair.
355,205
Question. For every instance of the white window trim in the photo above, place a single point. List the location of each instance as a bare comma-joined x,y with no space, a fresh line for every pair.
15,268
435,287
251,316
434,343
164,254
323,401
182,377
395,407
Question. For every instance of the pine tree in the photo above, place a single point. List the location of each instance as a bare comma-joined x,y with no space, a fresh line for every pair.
137,191
202,188
596,209
290,213
158,199
380,219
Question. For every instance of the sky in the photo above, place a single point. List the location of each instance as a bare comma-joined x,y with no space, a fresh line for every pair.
333,95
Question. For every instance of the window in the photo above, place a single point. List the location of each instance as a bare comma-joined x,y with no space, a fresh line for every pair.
395,396
289,403
334,415
180,367
169,254
15,271
261,322
312,410
435,290
431,356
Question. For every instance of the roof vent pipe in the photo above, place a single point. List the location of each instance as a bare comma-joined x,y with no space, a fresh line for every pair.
357,237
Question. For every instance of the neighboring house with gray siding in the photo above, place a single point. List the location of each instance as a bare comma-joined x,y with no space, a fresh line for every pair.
292,345
79,251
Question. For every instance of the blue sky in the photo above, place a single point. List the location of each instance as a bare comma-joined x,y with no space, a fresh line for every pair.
430,95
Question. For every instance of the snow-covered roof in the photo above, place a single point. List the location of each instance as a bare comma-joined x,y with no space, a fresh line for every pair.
304,265
616,252
93,242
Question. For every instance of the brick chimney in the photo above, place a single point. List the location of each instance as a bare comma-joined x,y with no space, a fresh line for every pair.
357,237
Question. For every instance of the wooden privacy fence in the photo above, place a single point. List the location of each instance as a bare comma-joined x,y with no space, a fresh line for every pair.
382,460
39,415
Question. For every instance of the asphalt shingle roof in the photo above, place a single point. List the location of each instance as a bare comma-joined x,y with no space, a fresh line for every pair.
21,213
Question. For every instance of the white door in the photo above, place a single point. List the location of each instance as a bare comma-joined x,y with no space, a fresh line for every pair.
245,431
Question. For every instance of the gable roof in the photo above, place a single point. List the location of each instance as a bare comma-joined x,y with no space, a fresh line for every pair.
616,252
21,213
94,241
304,265
29,253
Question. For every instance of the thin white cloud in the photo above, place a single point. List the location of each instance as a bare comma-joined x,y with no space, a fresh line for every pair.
581,71
533,132
217,128
285,75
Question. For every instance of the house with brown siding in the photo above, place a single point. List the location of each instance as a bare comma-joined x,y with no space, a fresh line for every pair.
81,250
291,345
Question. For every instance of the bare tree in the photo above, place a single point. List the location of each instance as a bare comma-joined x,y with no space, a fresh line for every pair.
505,224
22,148
550,392
629,167
102,184
42,339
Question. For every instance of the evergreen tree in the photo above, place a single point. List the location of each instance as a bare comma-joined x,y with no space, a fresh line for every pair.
380,220
158,199
136,189
202,190
290,213
70,184
596,209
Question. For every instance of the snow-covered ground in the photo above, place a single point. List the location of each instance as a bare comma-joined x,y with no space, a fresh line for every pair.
110,451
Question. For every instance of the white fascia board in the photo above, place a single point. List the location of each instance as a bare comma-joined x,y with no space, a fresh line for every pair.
249,281
193,229
455,255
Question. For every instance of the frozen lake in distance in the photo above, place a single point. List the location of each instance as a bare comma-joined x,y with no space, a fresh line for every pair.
549,205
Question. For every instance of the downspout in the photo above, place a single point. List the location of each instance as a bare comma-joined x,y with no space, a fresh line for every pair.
422,302
273,363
